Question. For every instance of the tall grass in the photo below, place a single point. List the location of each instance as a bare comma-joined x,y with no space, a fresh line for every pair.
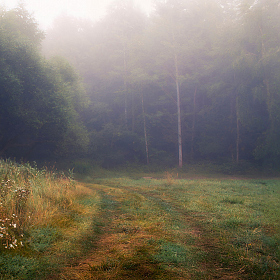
35,207
29,197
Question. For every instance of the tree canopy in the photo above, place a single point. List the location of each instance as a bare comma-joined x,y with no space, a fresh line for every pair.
39,99
194,80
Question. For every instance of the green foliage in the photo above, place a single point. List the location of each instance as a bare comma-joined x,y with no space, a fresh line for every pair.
228,74
227,71
39,101
84,167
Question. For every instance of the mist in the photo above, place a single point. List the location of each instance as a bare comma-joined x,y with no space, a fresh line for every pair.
45,12
181,83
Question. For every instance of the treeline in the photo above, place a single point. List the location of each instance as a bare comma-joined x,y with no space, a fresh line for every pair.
40,100
194,80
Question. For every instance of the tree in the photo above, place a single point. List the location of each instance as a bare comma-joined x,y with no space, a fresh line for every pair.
199,77
169,32
37,101
255,60
185,32
121,29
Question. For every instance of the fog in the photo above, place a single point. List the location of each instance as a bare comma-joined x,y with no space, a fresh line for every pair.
193,81
45,11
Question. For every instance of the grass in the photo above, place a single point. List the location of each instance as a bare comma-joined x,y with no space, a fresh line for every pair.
205,228
137,226
39,220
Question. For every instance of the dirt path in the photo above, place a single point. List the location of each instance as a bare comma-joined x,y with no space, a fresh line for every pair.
129,235
120,250
218,264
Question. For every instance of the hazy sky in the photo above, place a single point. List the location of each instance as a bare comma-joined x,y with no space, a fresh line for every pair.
45,11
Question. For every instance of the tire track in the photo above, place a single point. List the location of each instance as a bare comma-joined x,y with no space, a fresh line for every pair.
218,263
117,252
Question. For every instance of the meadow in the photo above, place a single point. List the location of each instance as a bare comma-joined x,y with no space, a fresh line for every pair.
113,225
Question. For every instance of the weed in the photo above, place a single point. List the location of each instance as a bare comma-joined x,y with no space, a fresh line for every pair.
170,178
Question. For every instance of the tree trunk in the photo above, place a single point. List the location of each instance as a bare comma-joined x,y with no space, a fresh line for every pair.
125,85
193,123
266,80
145,130
133,112
178,112
237,131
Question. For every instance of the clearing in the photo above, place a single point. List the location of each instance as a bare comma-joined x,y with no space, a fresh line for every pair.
147,228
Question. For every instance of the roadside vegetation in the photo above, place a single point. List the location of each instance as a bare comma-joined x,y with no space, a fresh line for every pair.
163,225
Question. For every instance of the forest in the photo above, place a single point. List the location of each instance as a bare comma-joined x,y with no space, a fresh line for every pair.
192,81
169,126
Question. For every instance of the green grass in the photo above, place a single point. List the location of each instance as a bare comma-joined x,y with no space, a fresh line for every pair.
233,225
137,226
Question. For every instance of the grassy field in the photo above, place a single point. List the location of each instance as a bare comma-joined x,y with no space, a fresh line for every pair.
140,226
